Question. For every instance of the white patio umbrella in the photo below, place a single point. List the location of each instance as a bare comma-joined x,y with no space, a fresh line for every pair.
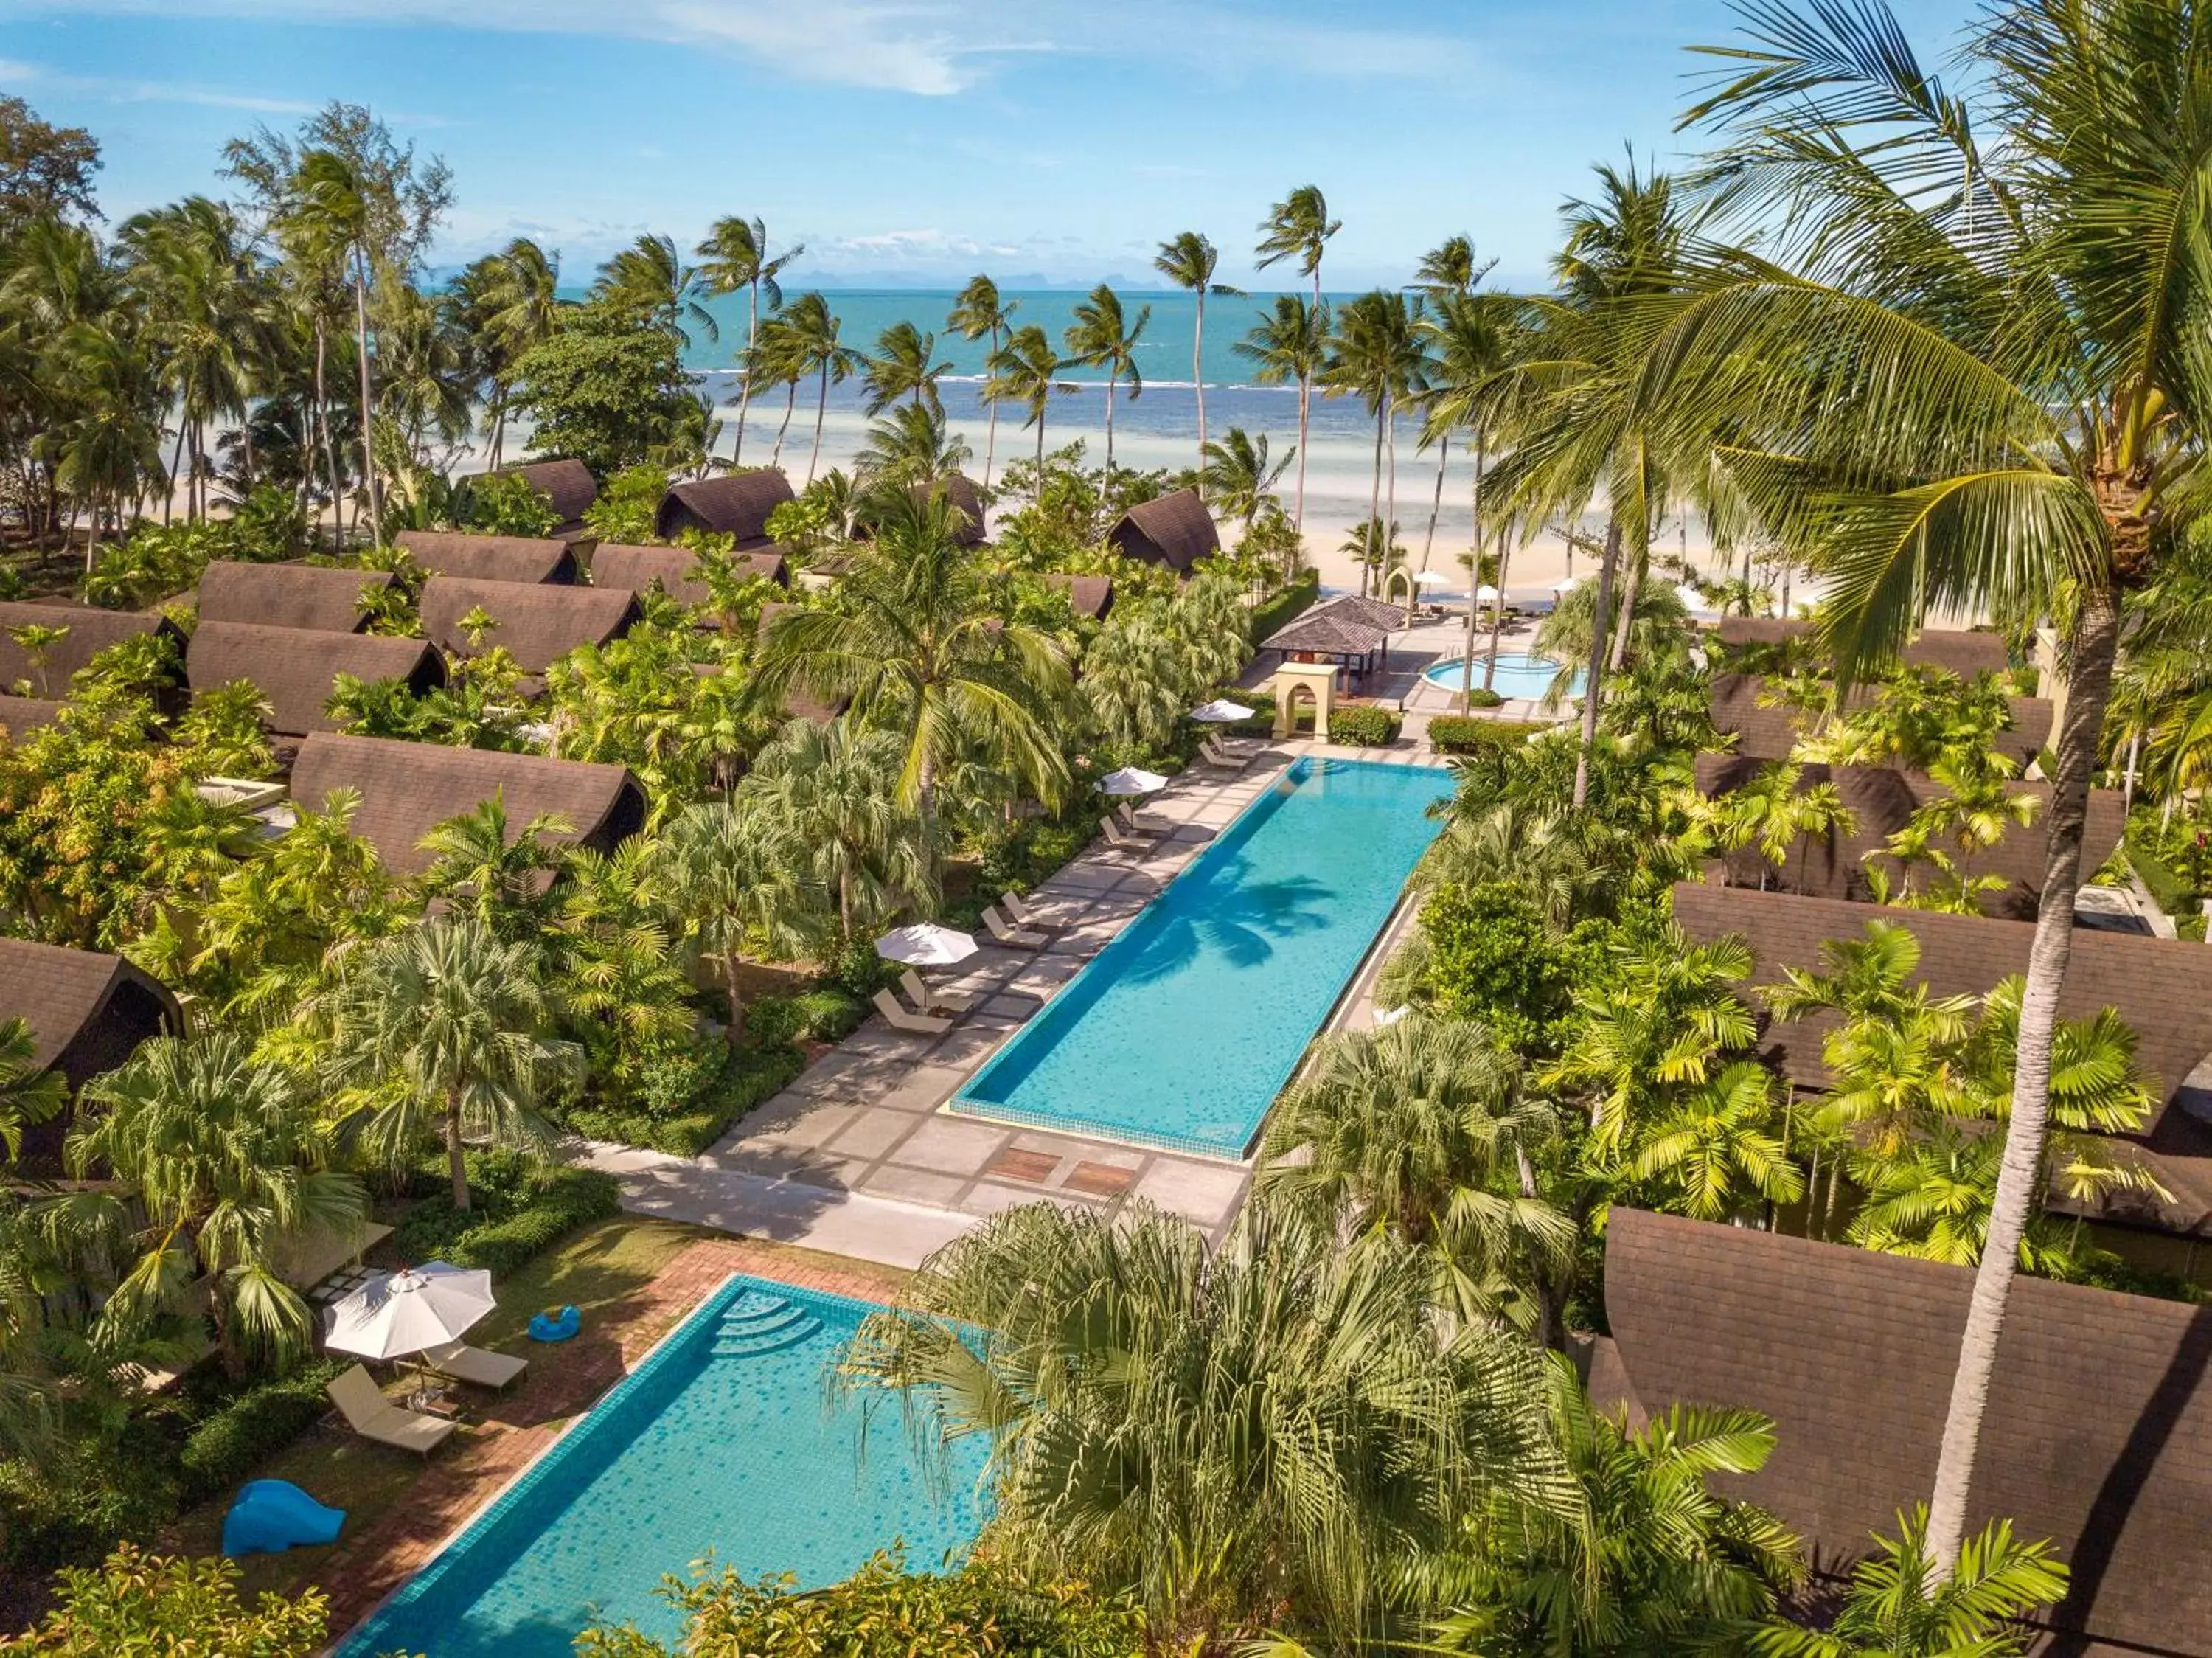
1565,583
1220,711
925,944
1131,781
396,1314
1430,578
1486,594
1692,599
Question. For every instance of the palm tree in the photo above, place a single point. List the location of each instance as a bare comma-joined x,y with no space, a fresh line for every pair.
1408,1130
331,210
649,280
1719,1138
1188,260
978,311
29,1093
1447,274
1022,371
916,645
1272,1429
502,878
441,1027
732,869
1291,345
1984,401
228,1163
511,300
736,255
901,367
835,790
911,446
1103,336
1378,355
1474,346
1237,476
1298,226
811,336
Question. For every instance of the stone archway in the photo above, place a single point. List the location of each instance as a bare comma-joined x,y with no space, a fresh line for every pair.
1318,680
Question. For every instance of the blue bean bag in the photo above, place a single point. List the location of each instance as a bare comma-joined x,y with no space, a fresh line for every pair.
272,1515
560,1327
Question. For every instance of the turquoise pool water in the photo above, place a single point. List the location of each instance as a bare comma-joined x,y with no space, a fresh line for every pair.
1181,1032
1519,674
720,1441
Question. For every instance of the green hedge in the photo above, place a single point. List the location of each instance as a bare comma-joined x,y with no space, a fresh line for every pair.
1459,733
824,1013
1285,606
1363,725
751,1076
519,1209
253,1428
2168,890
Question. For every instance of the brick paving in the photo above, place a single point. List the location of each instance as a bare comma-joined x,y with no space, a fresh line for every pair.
511,1431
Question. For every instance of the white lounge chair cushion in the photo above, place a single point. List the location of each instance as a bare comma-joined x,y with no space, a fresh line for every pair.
372,1416
899,1019
462,1363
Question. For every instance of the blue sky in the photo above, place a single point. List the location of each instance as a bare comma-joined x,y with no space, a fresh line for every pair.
915,141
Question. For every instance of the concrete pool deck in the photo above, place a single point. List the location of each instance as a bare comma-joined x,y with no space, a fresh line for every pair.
858,1154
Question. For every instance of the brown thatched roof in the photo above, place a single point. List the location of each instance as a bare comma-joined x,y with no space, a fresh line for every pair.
620,564
1880,801
295,670
20,715
546,559
1174,529
1346,626
90,632
1770,733
536,624
568,485
960,492
2161,987
408,789
87,1011
313,596
1958,651
1087,595
735,504
2097,1433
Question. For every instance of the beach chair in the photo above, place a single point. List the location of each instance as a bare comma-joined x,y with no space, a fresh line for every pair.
1110,826
926,1001
369,1414
1130,821
919,1024
459,1361
1020,910
1013,937
1214,752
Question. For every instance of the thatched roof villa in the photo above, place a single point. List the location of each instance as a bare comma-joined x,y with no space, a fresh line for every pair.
1173,529
320,598
622,565
736,504
528,558
536,624
296,670
88,631
567,484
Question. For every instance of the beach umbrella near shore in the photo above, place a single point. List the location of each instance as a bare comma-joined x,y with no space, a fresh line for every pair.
1565,583
1132,781
1220,711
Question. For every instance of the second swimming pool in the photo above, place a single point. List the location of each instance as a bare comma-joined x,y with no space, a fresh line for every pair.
1181,1033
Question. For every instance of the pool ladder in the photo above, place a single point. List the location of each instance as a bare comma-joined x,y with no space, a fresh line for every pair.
756,1324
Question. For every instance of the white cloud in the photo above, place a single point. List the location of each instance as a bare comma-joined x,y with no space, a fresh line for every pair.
119,91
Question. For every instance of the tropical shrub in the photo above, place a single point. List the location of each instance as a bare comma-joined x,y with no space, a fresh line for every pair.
237,1439
628,505
1364,725
157,560
747,1076
518,1207
505,503
607,387
1491,956
143,1603
1286,606
1456,733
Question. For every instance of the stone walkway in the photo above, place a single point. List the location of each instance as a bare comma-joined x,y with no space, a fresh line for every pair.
516,1428
858,1154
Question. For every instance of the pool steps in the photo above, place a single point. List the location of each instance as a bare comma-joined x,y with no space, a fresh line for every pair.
756,1324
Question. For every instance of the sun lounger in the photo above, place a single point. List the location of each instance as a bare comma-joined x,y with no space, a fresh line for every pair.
920,1024
1020,910
1013,937
926,1001
462,1363
372,1416
1214,752
1117,836
1130,821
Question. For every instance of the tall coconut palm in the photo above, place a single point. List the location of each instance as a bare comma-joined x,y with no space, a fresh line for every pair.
777,358
1986,396
979,312
1102,336
736,255
1377,356
228,1162
1024,371
901,367
1447,273
1267,1431
1475,344
1188,260
1289,346
1298,227
649,279
511,300
911,446
1237,475
331,210
812,337
734,871
915,643
440,1030
835,788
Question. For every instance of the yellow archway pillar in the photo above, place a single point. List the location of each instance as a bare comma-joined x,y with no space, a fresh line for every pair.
1318,680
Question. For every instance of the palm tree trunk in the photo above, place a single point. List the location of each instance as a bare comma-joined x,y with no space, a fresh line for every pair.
1626,620
1436,502
1371,555
323,421
790,400
457,1167
1473,586
991,441
1391,425
2019,1176
1596,667
1306,404
367,399
176,466
1496,619
821,408
1112,380
1198,372
745,379
734,1032
498,426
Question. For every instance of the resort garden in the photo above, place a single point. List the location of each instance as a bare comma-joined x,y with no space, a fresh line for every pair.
1763,941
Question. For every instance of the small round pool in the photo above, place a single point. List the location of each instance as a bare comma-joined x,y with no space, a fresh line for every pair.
1518,675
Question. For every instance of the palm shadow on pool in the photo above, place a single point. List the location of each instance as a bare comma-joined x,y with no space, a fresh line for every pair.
1238,919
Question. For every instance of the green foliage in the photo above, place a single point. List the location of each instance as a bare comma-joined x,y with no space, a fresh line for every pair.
749,1075
519,1207
504,504
607,388
2173,858
636,701
1491,957
627,504
103,1487
1364,725
221,734
1033,849
228,1446
977,1610
822,1014
1286,606
1458,734
808,524
158,560
139,1603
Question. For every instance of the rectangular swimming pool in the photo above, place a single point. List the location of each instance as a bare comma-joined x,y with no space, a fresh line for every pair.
720,1441
1181,1033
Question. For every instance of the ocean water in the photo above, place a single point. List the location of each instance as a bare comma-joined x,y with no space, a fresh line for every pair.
1181,1032
722,1441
